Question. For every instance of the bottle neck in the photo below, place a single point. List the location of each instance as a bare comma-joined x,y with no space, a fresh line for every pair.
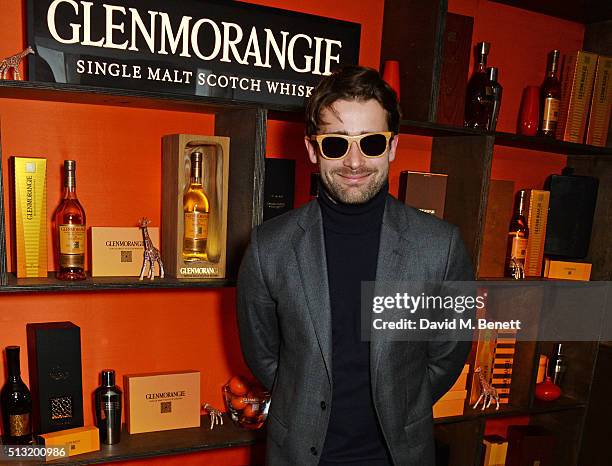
196,173
69,185
13,365
520,211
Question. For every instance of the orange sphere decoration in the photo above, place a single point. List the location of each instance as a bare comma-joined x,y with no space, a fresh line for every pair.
238,386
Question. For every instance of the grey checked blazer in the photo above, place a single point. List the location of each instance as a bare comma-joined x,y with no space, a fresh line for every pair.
284,320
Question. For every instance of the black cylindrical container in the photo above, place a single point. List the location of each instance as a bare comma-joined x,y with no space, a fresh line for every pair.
108,408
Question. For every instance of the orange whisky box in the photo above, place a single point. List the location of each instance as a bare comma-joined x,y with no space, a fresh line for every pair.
601,104
537,216
118,251
576,91
77,441
565,270
162,401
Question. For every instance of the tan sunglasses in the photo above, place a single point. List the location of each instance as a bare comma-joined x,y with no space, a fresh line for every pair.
336,146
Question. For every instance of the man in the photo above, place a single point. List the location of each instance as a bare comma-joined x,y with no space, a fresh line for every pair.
338,400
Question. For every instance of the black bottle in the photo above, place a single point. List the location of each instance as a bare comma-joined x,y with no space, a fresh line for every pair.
108,408
476,104
15,403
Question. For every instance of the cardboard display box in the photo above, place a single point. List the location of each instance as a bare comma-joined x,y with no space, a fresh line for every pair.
118,251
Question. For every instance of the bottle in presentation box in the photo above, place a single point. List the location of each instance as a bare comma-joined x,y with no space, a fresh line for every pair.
69,229
550,97
517,238
195,177
107,399
15,403
196,211
476,105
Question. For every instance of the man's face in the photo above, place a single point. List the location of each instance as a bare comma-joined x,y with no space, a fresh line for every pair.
354,179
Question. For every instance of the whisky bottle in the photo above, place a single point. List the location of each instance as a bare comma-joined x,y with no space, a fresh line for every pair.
476,105
196,210
107,400
15,403
550,96
517,239
493,95
69,229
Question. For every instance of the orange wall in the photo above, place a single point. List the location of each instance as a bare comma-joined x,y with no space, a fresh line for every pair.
119,155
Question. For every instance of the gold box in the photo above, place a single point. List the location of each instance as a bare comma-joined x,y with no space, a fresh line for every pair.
461,381
162,401
576,90
537,217
30,195
78,440
601,104
565,270
177,149
118,251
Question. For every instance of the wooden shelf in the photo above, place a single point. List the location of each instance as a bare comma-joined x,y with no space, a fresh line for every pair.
537,143
539,407
170,442
73,93
50,284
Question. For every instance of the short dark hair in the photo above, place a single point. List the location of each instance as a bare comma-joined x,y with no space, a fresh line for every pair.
352,83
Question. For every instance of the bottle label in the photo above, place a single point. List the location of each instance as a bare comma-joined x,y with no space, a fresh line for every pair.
19,425
72,245
551,114
196,225
519,247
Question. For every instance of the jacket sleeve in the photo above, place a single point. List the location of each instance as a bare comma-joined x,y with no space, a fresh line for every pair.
446,358
257,320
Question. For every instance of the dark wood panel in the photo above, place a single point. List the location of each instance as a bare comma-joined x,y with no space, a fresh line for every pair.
581,11
463,441
566,426
3,233
247,130
457,43
597,428
600,252
412,34
467,162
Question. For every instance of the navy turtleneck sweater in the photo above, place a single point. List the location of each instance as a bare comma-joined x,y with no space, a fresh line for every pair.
352,238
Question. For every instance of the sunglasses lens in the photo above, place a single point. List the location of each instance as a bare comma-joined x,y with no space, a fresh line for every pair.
373,145
334,147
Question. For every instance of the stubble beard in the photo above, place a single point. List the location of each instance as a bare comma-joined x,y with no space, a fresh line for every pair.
354,194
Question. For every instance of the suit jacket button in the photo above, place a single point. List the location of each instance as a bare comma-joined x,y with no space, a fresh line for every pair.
323,405
314,451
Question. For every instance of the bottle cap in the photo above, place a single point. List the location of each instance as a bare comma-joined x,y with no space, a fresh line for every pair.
108,377
559,349
70,165
483,48
196,156
492,73
12,360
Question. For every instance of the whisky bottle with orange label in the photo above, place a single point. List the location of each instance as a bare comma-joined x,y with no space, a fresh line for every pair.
517,239
196,210
70,229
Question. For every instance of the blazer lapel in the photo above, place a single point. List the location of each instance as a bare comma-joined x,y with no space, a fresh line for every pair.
309,248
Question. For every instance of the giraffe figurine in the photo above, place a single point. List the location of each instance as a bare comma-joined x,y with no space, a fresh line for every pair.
151,253
488,393
13,62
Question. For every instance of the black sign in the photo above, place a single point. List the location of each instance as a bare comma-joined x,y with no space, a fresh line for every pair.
228,50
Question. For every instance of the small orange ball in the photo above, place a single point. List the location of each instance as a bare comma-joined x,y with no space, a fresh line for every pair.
238,403
238,386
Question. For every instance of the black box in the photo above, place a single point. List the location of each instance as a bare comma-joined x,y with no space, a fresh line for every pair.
54,360
279,186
